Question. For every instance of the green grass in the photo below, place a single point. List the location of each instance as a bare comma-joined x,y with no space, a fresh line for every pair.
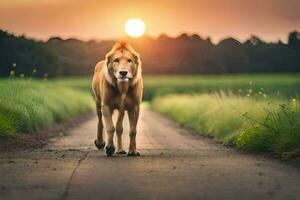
278,130
255,124
276,85
211,105
28,105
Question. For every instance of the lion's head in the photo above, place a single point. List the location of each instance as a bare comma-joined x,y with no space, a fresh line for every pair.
123,63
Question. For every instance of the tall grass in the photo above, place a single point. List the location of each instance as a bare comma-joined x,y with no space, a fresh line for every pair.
278,130
256,124
28,105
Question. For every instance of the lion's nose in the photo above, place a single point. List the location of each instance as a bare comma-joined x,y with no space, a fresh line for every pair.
123,73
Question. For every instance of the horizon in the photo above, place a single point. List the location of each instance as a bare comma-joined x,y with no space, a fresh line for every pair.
270,20
126,38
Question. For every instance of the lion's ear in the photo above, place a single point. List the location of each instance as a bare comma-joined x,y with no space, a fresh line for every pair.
108,58
137,59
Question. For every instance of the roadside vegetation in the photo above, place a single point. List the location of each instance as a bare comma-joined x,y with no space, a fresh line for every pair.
253,124
28,105
252,112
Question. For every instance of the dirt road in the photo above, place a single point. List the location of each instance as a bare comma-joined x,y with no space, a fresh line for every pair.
174,165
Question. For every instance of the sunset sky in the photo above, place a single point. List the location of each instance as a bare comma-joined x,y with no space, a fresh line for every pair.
104,19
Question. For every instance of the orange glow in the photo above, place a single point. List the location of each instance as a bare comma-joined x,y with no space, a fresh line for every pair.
102,19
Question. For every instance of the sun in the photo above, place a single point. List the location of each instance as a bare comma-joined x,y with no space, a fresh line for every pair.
135,27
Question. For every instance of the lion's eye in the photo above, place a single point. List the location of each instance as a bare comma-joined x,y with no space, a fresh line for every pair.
116,60
129,60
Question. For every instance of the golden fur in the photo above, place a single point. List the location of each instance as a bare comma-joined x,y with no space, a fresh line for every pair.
118,85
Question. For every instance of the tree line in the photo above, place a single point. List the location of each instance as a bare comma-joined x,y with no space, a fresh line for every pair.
186,54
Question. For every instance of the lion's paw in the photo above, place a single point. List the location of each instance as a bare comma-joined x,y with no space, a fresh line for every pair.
133,153
99,145
110,150
121,152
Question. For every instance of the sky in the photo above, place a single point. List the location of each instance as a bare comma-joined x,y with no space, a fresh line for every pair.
104,19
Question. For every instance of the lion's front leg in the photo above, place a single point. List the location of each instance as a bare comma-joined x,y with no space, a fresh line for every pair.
133,115
107,115
119,131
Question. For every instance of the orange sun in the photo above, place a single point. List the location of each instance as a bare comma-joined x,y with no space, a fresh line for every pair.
135,27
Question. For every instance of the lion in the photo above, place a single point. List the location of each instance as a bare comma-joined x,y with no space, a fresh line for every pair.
118,85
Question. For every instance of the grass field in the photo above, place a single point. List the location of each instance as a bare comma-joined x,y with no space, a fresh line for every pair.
28,105
275,85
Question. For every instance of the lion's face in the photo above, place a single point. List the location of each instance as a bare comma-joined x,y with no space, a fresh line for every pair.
122,65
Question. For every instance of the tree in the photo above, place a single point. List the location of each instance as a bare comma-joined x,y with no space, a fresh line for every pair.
294,40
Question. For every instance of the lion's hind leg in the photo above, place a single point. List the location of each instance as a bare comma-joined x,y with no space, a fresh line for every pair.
99,142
